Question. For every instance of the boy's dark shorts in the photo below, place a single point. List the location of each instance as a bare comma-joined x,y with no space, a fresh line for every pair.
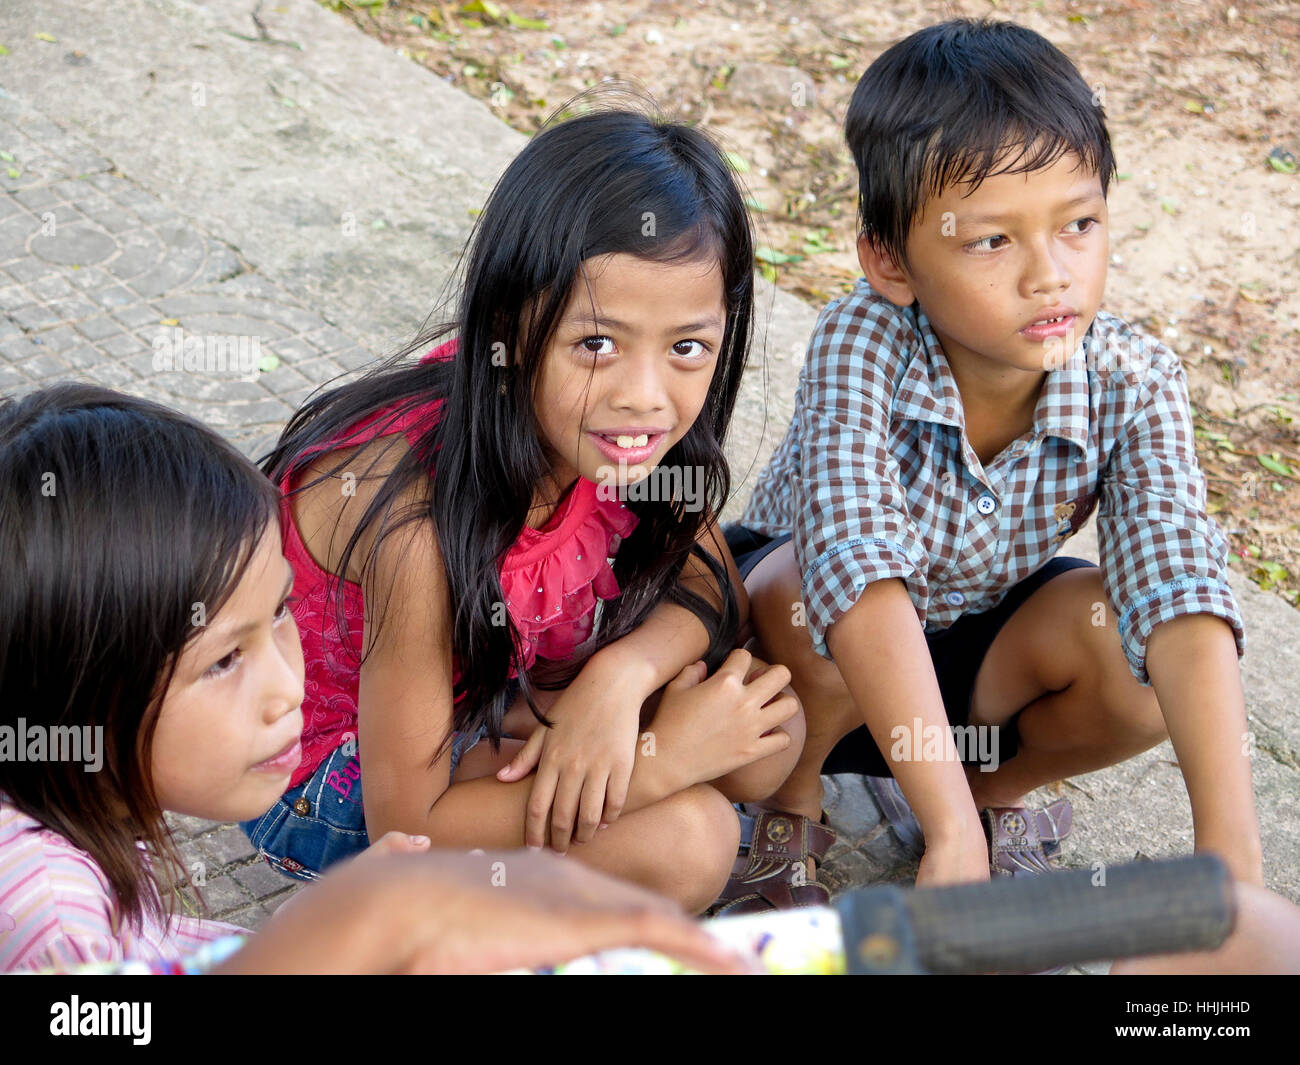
956,652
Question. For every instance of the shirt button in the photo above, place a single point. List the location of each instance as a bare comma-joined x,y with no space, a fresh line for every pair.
301,806
955,598
986,504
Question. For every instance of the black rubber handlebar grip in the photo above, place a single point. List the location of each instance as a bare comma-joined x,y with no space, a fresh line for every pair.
1034,923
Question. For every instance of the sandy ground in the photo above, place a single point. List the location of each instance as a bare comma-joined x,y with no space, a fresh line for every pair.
1205,229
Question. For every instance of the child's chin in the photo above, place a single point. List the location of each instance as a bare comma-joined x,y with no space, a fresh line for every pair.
614,478
255,798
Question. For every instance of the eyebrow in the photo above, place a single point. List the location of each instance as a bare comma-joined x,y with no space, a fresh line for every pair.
587,318
998,219
249,626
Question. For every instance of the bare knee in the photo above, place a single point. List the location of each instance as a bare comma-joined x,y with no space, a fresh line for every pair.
705,836
1123,705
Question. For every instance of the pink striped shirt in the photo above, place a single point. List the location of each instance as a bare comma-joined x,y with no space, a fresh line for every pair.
58,912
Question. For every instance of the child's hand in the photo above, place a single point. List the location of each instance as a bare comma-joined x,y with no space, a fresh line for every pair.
584,763
720,724
445,912
394,843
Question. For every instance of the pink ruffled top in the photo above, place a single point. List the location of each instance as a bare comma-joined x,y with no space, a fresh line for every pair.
551,578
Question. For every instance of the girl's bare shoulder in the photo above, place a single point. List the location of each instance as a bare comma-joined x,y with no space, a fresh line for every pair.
336,489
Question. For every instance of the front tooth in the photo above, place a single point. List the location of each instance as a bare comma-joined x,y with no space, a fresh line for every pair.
641,440
623,441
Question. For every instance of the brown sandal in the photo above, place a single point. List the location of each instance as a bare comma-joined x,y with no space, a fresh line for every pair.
773,875
1024,841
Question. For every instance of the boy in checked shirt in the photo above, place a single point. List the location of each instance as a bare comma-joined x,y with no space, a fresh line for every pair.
960,415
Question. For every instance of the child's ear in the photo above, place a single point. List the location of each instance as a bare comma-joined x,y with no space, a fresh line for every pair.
883,273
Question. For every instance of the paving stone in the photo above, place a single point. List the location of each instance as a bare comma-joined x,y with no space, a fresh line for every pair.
81,356
250,918
261,881
223,895
113,296
28,270
74,308
80,243
226,845
188,827
124,345
282,380
111,375
138,315
12,380
36,199
50,288
87,277
35,316
19,349
58,339
14,296
292,350
98,328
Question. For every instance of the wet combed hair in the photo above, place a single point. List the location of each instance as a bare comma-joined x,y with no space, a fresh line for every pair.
579,189
117,515
959,102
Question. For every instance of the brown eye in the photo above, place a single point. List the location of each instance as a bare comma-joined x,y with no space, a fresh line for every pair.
597,345
221,668
701,349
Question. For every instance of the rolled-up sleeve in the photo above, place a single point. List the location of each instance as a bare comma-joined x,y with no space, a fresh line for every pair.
1162,556
850,520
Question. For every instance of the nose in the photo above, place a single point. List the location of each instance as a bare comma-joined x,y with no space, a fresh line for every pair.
1045,271
286,671
638,383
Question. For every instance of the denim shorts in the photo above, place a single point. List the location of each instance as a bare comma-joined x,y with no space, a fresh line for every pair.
322,820
957,653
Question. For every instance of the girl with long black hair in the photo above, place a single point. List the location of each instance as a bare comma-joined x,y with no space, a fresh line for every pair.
452,523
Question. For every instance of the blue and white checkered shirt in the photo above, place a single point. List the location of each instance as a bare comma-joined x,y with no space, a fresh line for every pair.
876,479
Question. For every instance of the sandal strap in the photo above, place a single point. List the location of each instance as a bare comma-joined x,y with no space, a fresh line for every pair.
771,872
764,901
790,838
1025,841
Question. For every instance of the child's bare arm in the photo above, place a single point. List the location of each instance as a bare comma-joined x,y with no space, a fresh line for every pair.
1192,662
880,650
584,763
672,636
1164,562
406,712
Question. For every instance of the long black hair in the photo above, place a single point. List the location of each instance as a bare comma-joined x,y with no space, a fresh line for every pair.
581,188
117,516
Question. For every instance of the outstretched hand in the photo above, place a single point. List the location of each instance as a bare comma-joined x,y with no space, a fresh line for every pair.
445,912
